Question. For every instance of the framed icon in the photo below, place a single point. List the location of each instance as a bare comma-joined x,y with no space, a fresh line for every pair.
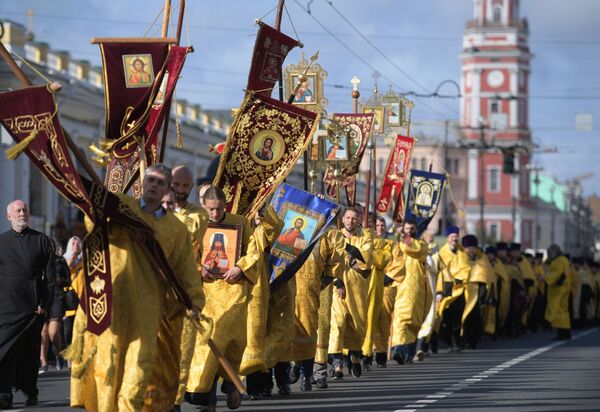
267,147
138,70
379,119
221,245
335,150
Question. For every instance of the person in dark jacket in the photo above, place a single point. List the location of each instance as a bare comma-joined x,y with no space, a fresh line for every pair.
27,277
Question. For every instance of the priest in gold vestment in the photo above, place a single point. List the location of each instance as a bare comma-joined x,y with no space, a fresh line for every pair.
502,286
382,255
454,271
475,292
349,305
559,290
117,370
325,261
196,219
254,360
409,269
227,306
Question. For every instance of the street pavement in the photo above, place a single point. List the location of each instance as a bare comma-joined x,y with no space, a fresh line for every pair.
531,373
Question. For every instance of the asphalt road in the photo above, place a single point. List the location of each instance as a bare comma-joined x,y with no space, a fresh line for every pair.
532,373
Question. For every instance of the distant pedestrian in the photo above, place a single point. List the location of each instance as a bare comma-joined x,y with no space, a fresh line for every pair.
27,277
51,332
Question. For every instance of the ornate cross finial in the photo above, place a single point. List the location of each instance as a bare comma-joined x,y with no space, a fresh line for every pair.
376,76
355,82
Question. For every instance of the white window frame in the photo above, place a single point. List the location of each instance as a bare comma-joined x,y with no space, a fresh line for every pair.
498,230
489,180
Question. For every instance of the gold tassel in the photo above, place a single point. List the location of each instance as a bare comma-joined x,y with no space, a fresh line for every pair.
13,152
179,138
98,152
74,351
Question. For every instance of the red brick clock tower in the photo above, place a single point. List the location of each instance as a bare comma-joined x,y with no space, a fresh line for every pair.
494,85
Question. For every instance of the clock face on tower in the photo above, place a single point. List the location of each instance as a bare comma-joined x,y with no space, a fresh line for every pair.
495,78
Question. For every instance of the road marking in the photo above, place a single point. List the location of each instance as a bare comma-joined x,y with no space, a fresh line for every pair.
478,377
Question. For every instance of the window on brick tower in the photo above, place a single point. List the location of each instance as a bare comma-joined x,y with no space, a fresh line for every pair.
494,231
494,179
494,106
497,17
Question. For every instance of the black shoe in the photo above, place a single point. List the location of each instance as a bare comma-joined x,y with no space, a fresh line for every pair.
6,401
306,385
267,393
294,374
408,360
176,408
321,383
284,390
355,366
338,375
255,396
312,380
32,401
234,399
381,366
366,365
398,358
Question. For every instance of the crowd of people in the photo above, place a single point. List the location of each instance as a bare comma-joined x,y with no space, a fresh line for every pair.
366,296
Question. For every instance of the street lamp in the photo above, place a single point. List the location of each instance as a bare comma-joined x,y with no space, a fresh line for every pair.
482,127
536,182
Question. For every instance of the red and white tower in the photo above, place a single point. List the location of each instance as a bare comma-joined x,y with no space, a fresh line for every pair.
494,85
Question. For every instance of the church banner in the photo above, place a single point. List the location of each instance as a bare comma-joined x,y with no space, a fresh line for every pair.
360,125
270,51
124,164
395,173
266,140
424,193
133,74
31,117
306,218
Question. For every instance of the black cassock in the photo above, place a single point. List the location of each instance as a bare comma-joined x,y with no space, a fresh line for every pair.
27,280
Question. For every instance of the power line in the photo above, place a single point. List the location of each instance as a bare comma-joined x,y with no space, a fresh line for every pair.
386,57
355,54
445,39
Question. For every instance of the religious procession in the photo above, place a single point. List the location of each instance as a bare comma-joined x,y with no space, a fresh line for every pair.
292,265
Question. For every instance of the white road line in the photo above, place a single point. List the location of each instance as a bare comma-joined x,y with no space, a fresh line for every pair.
481,375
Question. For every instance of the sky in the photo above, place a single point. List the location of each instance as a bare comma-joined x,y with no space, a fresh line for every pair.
413,44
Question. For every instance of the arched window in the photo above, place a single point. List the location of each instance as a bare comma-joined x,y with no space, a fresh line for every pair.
497,17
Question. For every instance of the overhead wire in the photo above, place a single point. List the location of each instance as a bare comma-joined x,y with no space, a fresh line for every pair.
358,56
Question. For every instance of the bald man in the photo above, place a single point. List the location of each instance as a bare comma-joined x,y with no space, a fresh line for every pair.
195,218
27,276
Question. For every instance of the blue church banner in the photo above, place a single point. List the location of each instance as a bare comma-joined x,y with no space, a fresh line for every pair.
306,218
424,193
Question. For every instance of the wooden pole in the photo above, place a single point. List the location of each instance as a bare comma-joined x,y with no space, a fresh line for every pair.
368,189
180,20
74,149
374,162
166,17
165,32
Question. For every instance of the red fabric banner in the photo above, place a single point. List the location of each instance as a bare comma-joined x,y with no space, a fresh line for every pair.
266,140
30,114
395,172
360,127
122,168
270,50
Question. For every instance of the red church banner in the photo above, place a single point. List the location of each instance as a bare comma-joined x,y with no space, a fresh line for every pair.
395,172
266,140
126,154
270,50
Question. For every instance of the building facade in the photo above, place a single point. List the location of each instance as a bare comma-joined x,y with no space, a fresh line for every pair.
494,105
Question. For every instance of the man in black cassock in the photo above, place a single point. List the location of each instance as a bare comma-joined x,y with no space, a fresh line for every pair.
27,276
